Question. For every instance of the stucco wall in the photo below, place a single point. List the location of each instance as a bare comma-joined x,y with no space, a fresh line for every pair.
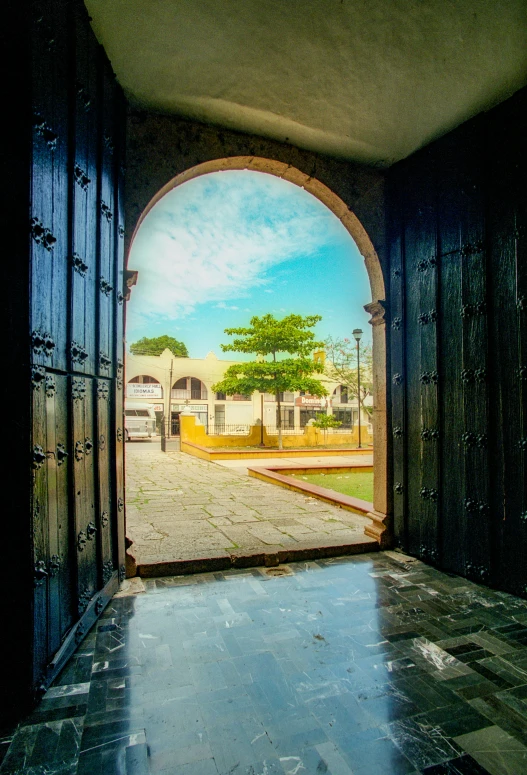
161,147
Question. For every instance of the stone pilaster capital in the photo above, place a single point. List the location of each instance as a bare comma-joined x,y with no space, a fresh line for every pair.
377,310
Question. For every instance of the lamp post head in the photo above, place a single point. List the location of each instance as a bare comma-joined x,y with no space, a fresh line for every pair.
357,333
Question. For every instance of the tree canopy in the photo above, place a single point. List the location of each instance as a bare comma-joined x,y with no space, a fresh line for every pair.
156,345
341,366
324,422
269,338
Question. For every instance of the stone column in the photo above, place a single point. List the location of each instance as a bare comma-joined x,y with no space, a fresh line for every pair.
381,527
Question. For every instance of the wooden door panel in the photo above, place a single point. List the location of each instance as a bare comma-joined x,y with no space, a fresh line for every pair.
62,557
119,312
460,195
85,202
453,551
107,227
515,526
460,190
53,451
118,463
413,402
474,378
421,362
105,480
49,185
519,533
84,491
40,533
507,388
398,371
117,415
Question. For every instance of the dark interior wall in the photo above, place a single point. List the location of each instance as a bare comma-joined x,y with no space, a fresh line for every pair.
457,235
16,503
64,522
161,147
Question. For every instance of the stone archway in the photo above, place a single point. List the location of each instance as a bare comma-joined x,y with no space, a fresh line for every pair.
381,527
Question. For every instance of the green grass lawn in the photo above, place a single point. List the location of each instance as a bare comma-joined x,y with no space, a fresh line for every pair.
359,484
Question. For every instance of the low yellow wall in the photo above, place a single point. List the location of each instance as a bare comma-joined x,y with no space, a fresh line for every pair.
197,434
311,438
263,453
314,437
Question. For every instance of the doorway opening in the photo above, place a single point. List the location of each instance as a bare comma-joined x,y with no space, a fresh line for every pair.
219,416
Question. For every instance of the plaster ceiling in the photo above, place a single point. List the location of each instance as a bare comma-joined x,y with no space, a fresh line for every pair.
367,80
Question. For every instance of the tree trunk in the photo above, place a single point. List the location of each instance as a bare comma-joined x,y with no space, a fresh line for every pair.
279,420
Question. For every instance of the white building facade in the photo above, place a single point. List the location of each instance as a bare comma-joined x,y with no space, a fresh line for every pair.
173,384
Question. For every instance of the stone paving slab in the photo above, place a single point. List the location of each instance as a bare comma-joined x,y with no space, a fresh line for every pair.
181,509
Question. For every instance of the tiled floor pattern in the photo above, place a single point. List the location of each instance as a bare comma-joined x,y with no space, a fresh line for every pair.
180,508
371,665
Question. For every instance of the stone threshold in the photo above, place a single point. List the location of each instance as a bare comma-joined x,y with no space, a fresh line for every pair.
219,561
278,475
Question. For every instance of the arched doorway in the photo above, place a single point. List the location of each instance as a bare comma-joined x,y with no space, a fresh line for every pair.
381,527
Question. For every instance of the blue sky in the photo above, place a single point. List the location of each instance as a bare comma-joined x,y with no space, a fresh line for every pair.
226,246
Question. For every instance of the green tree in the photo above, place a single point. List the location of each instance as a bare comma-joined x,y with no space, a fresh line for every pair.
157,344
341,366
324,422
272,341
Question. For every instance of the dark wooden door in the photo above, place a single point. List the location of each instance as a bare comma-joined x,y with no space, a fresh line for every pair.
458,290
76,330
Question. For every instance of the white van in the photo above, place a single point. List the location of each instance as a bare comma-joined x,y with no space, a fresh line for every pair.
139,420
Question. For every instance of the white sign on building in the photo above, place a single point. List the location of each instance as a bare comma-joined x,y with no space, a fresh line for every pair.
310,402
144,390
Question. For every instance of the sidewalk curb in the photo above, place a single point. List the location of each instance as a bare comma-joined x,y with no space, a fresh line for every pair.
277,475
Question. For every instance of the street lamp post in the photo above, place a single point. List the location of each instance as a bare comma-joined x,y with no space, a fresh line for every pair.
169,391
357,333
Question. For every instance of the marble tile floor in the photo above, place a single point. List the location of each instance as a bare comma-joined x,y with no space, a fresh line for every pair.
368,665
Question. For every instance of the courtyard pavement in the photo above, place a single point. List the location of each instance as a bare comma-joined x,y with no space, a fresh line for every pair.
179,508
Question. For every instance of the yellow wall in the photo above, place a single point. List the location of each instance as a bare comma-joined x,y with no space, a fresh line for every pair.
197,434
312,437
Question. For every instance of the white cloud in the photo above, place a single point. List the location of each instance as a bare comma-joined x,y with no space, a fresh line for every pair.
215,238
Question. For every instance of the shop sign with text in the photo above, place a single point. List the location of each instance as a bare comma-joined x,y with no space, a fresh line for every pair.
146,390
309,402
